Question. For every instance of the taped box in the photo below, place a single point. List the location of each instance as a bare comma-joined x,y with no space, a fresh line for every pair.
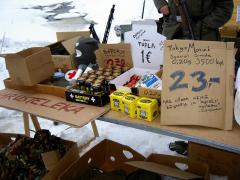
53,163
111,160
30,66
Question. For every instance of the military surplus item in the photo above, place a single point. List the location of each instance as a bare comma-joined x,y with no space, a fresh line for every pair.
85,51
93,32
108,26
186,21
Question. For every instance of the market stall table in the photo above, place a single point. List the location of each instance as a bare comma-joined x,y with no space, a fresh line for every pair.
78,115
226,140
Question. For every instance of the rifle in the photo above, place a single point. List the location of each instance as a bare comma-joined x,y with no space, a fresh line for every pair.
108,26
93,32
186,22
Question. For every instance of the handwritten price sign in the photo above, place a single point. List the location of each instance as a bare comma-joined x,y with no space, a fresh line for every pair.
196,83
114,54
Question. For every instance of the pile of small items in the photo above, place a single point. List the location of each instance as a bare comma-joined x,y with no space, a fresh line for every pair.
147,80
21,159
96,81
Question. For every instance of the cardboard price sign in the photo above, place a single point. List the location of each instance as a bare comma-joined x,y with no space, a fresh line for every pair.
197,83
114,55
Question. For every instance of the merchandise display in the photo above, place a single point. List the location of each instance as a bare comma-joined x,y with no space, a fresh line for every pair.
134,106
22,158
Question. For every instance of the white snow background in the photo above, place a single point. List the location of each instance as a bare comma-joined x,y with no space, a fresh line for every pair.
22,26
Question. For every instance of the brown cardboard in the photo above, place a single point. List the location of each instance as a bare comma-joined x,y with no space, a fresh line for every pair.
163,170
38,88
118,82
198,81
67,41
114,55
66,161
50,107
196,167
50,159
61,36
65,61
30,66
70,156
107,155
222,163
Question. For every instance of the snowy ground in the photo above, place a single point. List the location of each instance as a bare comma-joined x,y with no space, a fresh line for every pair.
29,23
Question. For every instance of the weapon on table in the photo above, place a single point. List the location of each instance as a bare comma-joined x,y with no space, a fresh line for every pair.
186,22
93,32
108,26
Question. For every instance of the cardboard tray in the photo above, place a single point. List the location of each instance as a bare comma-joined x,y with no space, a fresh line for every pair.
38,88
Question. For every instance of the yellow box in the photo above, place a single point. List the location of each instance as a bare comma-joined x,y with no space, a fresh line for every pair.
147,109
116,100
129,105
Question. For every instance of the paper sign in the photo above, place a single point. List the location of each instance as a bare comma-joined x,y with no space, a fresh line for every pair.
198,83
114,55
146,44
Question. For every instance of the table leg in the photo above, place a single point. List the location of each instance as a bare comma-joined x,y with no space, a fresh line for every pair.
35,122
95,130
26,124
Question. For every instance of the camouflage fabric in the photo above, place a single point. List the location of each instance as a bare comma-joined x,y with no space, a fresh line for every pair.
207,16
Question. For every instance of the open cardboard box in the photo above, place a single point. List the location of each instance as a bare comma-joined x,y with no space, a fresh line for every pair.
147,56
107,156
111,156
64,49
118,82
29,66
59,166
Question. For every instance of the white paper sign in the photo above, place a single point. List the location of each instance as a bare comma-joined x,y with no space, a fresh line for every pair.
146,44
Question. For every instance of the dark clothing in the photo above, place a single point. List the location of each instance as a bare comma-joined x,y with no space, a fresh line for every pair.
207,16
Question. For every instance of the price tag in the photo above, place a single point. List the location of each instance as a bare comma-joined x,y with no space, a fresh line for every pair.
196,83
114,54
147,44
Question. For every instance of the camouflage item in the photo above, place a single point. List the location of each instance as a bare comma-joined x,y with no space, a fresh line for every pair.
207,16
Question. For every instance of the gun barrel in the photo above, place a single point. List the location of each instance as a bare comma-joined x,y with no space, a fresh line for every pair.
108,26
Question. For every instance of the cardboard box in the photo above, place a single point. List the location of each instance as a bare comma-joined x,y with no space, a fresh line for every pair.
147,55
107,155
90,99
64,49
110,156
30,66
118,82
173,166
222,163
59,166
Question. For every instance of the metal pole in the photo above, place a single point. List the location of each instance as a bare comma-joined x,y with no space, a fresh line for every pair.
143,9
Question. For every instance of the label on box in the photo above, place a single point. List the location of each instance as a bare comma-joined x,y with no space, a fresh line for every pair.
87,98
146,44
